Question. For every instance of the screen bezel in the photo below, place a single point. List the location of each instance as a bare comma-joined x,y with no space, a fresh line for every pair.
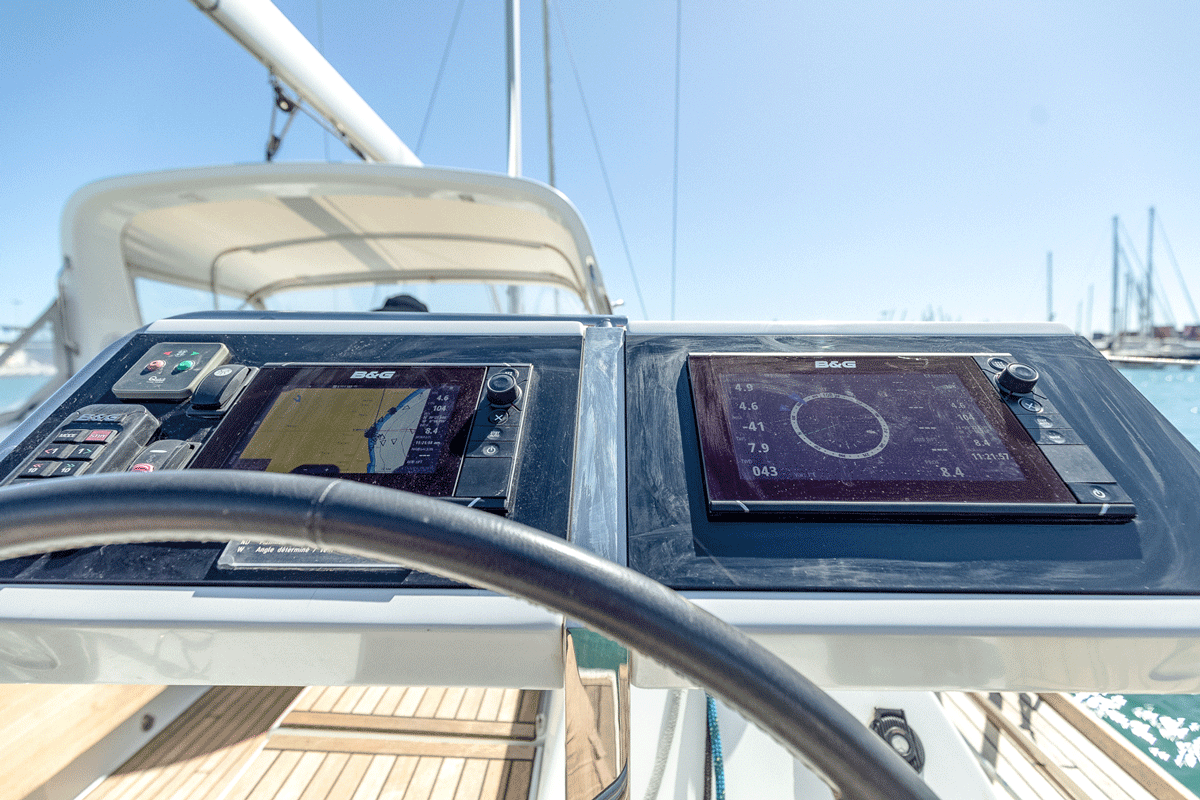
727,491
242,421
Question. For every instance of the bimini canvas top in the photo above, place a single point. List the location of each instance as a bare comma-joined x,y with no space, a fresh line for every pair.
252,230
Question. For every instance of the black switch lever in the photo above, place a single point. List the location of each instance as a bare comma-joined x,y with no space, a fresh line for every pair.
220,387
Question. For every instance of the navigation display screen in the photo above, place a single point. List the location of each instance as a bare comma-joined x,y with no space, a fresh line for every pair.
866,429
404,427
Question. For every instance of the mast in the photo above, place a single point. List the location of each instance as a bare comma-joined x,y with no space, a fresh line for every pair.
1115,326
549,97
512,19
1087,328
1148,301
1050,287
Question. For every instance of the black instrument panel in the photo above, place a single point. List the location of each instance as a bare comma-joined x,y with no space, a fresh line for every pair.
879,436
507,402
414,427
1083,418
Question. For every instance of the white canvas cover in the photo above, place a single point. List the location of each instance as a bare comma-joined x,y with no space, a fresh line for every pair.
250,231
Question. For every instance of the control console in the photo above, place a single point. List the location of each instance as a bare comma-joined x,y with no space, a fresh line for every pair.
888,504
419,406
450,431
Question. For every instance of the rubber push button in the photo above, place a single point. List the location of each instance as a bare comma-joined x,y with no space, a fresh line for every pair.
65,469
1077,464
493,449
56,452
37,469
493,434
163,454
1029,404
1053,436
484,477
1047,421
499,417
1093,493
85,452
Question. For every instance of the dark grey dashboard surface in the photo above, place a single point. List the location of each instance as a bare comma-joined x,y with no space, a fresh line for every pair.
674,539
541,482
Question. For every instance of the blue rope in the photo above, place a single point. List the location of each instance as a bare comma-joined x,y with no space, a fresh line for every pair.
714,735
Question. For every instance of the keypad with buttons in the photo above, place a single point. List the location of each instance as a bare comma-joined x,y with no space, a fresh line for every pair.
1089,481
98,438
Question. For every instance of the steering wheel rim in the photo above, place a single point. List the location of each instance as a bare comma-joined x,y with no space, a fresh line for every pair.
480,549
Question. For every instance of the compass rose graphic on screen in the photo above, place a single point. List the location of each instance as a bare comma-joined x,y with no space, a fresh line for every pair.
839,425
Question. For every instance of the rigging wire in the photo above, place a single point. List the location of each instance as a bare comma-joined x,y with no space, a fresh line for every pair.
549,94
290,105
437,82
1187,295
1157,292
675,171
600,157
321,50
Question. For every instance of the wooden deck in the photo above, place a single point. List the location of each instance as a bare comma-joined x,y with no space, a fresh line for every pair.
34,751
1045,746
357,743
422,743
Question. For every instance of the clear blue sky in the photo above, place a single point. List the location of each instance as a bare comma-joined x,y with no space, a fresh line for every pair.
837,160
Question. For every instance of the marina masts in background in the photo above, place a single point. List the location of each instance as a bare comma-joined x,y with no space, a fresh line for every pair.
1148,294
1115,325
512,18
1050,287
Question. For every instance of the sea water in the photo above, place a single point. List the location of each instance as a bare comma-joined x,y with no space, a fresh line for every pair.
1165,727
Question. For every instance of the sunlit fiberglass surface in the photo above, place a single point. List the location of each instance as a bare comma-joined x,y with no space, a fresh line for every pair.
862,429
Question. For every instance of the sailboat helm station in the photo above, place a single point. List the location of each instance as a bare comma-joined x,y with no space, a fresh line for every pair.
887,508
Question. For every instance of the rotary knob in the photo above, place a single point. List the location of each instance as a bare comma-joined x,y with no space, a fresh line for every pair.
502,389
1017,379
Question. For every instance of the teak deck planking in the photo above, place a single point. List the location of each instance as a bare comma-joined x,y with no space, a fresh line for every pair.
33,750
339,743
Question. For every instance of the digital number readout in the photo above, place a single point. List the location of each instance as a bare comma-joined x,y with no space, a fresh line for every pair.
389,425
850,426
886,434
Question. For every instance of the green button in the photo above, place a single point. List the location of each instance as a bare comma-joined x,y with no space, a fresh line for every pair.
184,366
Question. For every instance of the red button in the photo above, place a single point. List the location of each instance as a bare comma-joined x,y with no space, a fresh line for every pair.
143,467
153,366
100,436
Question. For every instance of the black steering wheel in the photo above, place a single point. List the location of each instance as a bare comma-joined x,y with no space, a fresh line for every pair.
480,549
